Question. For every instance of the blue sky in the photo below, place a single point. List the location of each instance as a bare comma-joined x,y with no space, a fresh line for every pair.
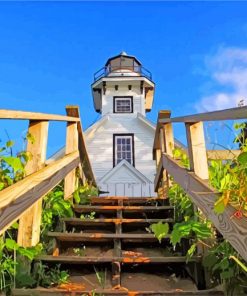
196,51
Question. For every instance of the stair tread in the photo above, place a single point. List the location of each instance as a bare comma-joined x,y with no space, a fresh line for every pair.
124,208
126,198
114,220
124,259
100,235
113,292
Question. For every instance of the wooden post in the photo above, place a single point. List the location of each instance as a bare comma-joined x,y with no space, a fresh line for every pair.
71,146
168,138
199,165
169,147
29,223
157,157
197,149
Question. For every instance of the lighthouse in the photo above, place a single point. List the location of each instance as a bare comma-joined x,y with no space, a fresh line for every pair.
120,142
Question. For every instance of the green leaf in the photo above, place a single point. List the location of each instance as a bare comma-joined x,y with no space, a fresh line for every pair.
175,236
219,206
160,230
10,144
11,244
1,185
225,181
242,158
191,251
224,264
76,196
31,252
15,225
14,162
210,260
227,274
30,138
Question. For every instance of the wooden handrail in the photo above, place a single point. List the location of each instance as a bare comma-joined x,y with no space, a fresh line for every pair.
204,197
22,115
226,114
23,200
74,112
16,199
195,179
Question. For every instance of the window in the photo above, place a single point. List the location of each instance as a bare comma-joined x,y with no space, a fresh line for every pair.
123,104
123,148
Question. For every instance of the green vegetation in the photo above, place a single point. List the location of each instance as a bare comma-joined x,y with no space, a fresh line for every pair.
17,268
223,263
84,192
54,208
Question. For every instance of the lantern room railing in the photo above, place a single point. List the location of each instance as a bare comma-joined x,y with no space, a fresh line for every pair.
105,71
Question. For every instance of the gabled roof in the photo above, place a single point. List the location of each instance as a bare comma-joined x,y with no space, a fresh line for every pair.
128,170
106,117
96,124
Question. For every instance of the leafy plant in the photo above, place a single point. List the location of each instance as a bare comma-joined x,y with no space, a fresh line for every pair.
90,216
160,230
183,206
226,270
230,179
12,256
12,168
79,251
101,277
54,207
83,193
48,277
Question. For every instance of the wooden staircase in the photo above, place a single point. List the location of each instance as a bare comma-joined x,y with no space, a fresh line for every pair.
116,241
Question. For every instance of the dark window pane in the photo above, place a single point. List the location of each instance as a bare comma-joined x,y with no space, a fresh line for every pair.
119,141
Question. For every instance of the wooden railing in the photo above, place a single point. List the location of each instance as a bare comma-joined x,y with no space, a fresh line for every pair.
23,200
195,180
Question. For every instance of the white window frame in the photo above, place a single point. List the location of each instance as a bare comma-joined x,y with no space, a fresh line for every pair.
129,99
122,148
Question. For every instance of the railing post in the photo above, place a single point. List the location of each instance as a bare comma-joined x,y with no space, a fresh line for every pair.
29,223
199,165
166,144
71,146
168,138
197,149
168,148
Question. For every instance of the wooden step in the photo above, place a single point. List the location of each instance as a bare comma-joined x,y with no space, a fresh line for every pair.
125,200
111,292
89,209
105,221
125,259
82,237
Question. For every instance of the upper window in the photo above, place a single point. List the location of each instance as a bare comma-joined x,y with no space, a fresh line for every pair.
123,104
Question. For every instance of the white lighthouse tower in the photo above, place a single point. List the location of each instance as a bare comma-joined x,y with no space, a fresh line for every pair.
120,142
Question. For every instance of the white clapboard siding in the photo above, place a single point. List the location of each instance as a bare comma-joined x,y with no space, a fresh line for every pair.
138,99
100,146
128,189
